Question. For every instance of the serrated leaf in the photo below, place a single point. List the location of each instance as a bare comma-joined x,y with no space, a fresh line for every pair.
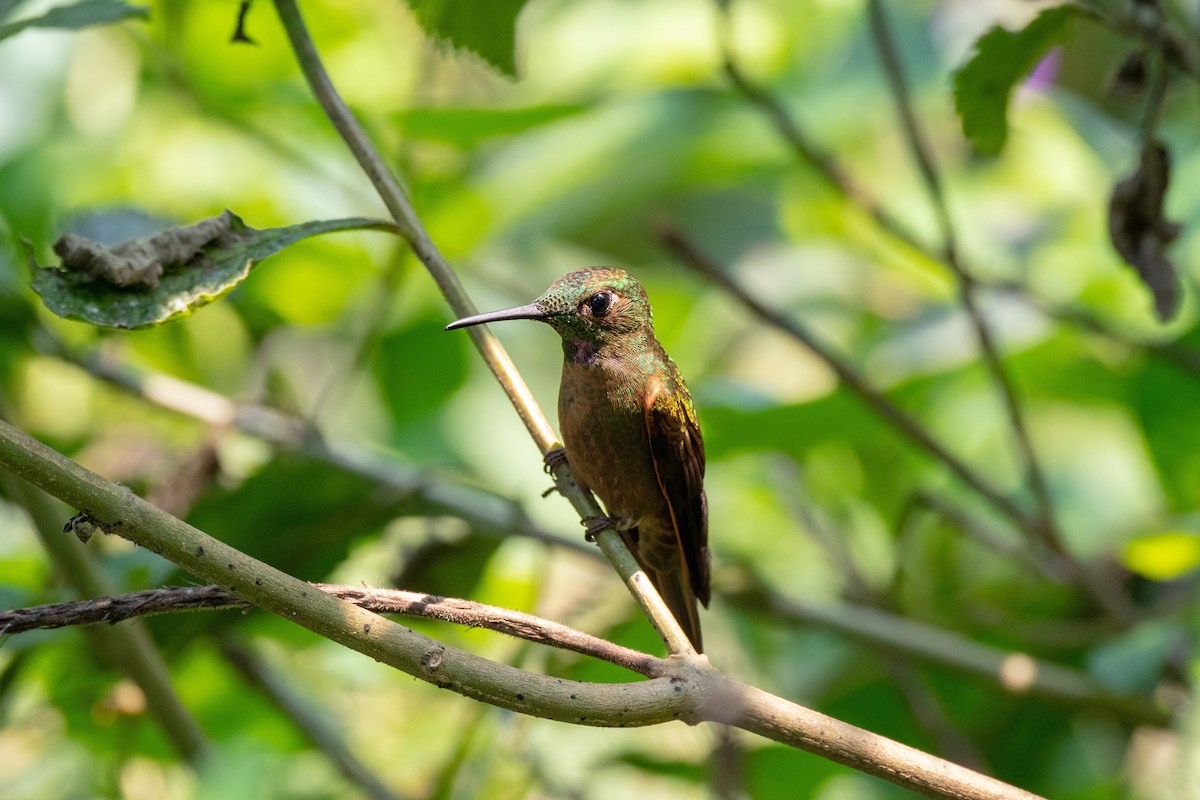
486,28
1001,57
81,15
208,273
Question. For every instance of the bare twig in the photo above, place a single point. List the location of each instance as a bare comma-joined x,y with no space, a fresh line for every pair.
1182,356
486,512
175,599
1017,673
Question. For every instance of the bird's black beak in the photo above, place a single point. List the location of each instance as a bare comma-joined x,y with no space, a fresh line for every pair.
530,311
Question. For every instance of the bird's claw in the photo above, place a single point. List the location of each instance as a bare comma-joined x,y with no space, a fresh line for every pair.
555,457
593,526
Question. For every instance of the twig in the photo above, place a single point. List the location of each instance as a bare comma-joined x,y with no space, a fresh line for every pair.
691,256
1017,673
823,163
486,512
1148,26
489,347
176,599
1047,528
1181,356
1047,563
930,714
695,691
306,717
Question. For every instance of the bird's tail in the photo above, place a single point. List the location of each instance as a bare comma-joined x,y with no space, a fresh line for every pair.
681,600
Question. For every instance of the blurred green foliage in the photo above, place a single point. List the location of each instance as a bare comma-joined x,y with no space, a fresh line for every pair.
621,119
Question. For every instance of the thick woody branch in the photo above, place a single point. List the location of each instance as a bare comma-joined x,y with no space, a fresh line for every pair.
115,510
694,691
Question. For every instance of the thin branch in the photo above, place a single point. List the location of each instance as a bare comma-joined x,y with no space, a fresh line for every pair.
930,714
489,347
1148,25
1049,564
694,692
1017,673
484,511
1182,356
821,162
691,256
176,599
306,717
1047,527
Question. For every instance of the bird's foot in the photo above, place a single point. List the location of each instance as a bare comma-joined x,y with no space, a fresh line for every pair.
593,526
555,457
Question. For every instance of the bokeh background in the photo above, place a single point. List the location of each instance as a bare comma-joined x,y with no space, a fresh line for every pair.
853,572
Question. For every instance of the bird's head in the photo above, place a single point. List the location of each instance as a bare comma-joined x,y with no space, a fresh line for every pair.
596,305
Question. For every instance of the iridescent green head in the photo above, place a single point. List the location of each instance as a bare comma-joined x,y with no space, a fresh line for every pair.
596,305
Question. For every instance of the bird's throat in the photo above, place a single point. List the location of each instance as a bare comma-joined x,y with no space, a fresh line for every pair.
582,352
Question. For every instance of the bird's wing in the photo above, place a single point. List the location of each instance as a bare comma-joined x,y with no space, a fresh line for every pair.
678,453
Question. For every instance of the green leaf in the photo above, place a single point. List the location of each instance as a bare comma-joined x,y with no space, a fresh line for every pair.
486,28
190,274
80,15
982,86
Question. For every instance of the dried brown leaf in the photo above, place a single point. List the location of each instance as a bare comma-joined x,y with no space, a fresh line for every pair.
1140,232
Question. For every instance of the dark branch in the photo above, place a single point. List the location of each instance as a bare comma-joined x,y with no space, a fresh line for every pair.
174,599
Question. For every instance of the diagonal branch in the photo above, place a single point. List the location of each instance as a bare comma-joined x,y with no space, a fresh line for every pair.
1047,528
489,347
691,256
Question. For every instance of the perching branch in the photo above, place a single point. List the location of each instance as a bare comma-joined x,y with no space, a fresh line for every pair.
489,347
692,690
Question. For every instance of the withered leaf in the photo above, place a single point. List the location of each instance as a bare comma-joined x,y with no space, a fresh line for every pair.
142,261
1140,232
146,282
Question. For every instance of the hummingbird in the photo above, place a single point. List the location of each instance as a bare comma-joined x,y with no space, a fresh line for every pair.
629,429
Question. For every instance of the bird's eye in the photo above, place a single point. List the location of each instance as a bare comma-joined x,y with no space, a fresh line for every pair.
600,303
